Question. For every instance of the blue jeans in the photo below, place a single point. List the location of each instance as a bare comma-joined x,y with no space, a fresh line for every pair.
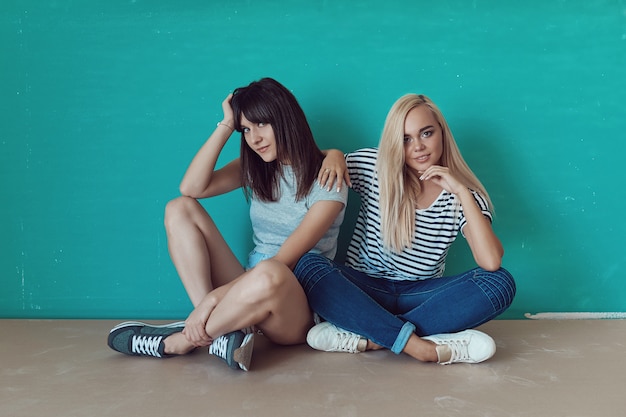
387,311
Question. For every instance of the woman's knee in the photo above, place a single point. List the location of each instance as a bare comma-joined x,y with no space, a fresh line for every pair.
267,280
507,283
499,285
312,266
179,209
310,258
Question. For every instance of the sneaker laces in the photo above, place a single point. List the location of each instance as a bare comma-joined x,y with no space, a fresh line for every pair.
219,347
459,350
146,345
347,341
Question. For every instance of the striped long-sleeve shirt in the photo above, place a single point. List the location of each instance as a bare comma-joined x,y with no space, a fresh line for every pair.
436,228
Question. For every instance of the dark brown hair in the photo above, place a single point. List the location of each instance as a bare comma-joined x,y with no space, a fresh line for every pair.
268,101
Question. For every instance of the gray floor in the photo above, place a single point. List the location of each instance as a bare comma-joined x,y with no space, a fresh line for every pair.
541,368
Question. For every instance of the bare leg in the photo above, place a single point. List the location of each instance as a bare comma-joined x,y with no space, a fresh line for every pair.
420,349
268,296
417,348
200,254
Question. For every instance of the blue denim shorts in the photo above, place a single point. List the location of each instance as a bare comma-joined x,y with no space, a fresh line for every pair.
254,258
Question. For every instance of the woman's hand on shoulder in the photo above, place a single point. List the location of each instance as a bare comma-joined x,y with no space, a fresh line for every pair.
334,170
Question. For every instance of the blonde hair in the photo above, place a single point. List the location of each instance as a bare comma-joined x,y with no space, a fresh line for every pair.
400,186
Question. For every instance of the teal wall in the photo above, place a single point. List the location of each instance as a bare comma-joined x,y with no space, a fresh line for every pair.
103,104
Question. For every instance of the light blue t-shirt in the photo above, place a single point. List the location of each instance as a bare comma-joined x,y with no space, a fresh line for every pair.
274,222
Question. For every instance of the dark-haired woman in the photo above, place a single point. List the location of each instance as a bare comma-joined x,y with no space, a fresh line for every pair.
290,215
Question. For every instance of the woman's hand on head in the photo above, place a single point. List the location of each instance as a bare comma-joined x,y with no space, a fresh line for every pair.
229,116
333,171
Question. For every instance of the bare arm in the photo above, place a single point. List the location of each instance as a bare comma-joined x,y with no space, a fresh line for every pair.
201,180
313,227
485,245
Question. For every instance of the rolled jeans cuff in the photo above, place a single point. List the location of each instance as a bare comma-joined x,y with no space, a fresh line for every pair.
403,337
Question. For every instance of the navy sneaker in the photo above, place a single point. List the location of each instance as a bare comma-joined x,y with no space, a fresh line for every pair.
140,339
234,348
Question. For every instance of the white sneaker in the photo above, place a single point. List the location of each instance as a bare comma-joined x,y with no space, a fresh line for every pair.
330,338
469,346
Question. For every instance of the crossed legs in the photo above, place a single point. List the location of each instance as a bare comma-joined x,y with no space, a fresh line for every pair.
267,296
344,297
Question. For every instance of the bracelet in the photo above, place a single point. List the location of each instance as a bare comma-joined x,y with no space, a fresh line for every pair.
224,124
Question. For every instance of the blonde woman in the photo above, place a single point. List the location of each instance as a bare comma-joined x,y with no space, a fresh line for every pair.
417,193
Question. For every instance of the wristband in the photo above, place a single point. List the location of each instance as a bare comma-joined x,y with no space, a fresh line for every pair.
224,124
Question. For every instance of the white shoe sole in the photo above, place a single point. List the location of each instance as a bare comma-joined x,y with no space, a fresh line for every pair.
139,323
243,354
